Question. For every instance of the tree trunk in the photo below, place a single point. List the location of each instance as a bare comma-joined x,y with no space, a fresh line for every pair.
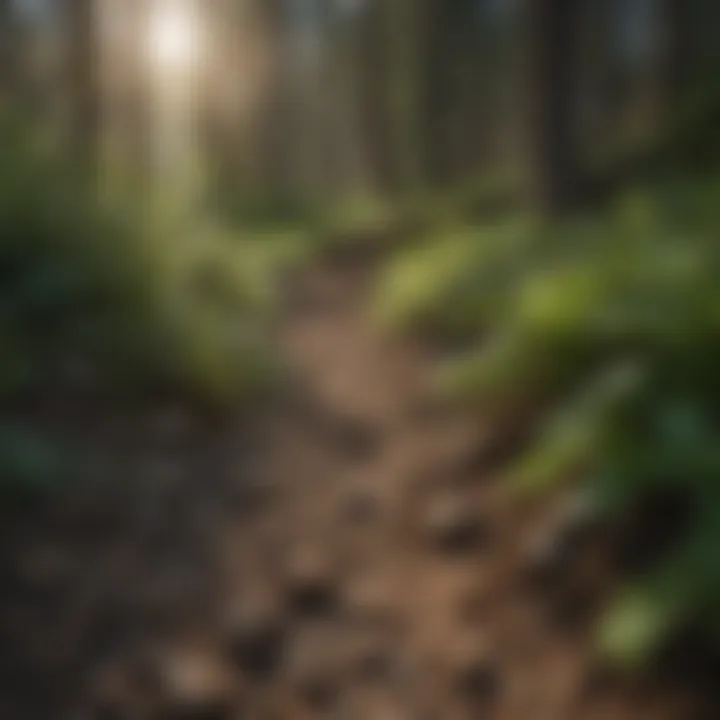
139,110
455,84
674,56
373,60
275,117
83,70
552,27
437,96
405,30
598,106
7,52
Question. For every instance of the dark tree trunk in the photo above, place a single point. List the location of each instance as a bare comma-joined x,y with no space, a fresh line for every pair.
7,51
599,107
438,90
373,101
552,29
455,61
675,57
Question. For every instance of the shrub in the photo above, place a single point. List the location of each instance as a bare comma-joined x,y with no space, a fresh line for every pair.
612,324
143,300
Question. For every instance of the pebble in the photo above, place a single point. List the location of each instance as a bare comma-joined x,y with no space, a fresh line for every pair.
477,677
370,598
358,438
196,685
312,582
454,527
256,632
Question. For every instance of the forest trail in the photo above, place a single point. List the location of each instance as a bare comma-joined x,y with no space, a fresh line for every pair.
349,552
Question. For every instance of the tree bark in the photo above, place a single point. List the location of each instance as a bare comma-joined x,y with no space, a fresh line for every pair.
373,59
84,78
598,111
455,85
552,28
675,55
7,52
391,45
139,109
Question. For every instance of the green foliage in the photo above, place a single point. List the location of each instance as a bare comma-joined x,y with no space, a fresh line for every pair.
146,301
458,279
611,324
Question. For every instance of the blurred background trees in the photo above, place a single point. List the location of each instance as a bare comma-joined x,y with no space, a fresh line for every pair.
309,101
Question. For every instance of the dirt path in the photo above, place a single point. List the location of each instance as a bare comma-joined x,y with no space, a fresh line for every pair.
351,555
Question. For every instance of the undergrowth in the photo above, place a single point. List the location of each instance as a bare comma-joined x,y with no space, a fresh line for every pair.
611,325
103,299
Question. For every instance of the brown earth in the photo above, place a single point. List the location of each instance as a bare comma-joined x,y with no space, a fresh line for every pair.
347,551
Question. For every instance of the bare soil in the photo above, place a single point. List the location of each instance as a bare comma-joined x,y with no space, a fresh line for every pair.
348,550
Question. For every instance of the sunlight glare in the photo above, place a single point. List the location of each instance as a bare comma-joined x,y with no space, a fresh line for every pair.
173,36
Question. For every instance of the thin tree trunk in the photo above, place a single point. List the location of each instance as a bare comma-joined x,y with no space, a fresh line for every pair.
7,52
392,45
374,64
598,108
405,29
675,55
139,101
273,141
439,45
83,62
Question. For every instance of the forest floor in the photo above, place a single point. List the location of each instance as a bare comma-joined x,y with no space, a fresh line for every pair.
346,551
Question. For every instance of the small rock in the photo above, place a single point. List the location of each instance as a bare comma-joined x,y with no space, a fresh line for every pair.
376,663
311,583
354,437
369,598
256,632
453,526
476,673
358,439
544,559
196,685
